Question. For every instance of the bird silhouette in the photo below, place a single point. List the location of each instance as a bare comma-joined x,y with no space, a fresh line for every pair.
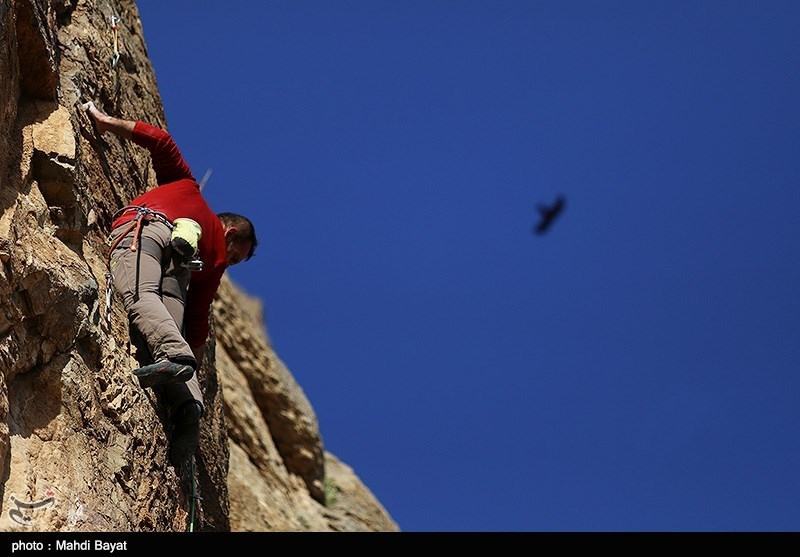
549,214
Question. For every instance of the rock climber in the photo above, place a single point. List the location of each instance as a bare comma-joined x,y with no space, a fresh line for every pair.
168,253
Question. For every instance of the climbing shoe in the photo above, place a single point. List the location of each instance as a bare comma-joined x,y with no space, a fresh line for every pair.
186,433
163,373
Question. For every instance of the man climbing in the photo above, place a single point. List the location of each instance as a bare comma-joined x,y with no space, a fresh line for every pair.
168,254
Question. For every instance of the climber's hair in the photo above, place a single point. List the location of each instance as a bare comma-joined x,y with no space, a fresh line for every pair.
246,232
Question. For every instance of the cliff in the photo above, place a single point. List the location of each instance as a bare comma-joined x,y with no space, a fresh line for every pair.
82,446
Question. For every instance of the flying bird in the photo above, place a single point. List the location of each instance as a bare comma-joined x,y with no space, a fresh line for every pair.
549,214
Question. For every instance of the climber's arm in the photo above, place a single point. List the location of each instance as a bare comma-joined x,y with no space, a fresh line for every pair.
105,123
198,303
167,159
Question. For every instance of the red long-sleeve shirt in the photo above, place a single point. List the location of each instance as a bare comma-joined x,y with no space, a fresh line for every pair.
178,196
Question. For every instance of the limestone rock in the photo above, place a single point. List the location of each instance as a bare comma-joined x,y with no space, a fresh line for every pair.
82,446
266,492
282,403
351,506
36,48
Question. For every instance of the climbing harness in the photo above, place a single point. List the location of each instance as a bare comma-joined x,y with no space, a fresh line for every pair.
142,214
181,228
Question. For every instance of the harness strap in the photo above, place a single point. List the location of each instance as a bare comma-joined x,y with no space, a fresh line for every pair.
138,232
120,237
142,214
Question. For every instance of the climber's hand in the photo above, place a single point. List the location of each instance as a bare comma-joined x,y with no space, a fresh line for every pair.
102,121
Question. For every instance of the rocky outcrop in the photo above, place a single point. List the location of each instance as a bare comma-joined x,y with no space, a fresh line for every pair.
82,446
280,477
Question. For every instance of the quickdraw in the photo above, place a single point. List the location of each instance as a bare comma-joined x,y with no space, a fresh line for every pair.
114,27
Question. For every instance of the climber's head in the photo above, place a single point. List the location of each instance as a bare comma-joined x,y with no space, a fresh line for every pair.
240,237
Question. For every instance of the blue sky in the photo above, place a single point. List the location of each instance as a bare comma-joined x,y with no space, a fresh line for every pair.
636,368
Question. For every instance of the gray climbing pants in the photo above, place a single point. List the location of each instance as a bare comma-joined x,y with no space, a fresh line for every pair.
153,291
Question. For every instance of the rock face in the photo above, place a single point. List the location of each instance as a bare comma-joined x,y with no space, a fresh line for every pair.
82,446
280,477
